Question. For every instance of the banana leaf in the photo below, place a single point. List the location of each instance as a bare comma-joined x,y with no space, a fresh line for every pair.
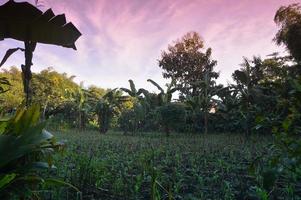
23,21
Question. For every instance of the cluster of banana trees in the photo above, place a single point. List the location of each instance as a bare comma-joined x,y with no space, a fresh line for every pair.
107,107
248,106
145,113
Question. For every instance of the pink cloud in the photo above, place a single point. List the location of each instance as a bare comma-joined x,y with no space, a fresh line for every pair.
123,39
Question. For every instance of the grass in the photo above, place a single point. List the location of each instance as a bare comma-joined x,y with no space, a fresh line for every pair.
151,166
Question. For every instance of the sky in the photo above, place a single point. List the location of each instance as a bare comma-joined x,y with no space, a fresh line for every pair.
123,39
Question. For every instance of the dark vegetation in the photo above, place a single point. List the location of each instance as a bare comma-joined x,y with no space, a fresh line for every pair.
239,141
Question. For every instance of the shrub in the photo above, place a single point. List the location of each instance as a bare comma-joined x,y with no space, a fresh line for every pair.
172,117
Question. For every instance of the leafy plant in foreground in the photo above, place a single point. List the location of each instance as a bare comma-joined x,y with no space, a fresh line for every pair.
283,168
25,149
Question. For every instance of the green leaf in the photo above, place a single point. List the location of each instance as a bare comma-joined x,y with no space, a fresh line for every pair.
7,179
23,120
128,91
57,182
3,125
31,178
156,85
133,87
269,178
286,124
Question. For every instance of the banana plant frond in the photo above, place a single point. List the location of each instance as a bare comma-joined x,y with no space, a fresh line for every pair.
156,85
8,53
127,91
132,86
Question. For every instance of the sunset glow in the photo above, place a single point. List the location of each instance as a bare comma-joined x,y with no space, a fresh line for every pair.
123,39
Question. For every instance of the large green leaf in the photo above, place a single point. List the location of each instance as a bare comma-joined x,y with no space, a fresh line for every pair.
23,119
57,182
23,136
132,86
7,179
26,148
156,84
128,91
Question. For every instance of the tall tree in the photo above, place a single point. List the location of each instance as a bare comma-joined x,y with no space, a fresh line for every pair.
248,80
203,101
187,61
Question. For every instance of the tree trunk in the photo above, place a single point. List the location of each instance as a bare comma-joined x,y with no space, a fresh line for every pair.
167,131
26,71
103,123
80,119
83,120
206,122
44,111
248,127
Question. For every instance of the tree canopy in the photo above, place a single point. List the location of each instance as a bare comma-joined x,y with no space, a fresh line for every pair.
187,61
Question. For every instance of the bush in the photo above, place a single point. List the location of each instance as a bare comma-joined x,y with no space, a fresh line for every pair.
133,120
172,117
127,121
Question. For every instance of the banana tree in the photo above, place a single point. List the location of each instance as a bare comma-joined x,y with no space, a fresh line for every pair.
228,100
107,107
244,87
247,80
80,100
136,94
24,22
204,100
141,104
227,109
165,96
133,92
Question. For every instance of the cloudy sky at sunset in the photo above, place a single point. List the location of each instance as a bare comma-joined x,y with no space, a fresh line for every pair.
123,39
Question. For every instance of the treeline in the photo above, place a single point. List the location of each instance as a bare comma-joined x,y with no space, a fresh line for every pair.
63,102
260,95
259,99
